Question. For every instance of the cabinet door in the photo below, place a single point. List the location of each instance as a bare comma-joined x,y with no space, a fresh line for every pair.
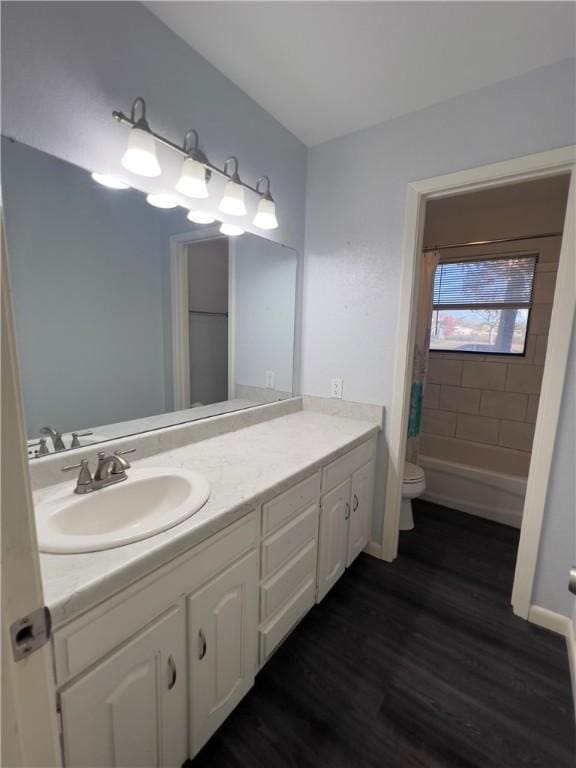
361,501
223,625
333,537
130,710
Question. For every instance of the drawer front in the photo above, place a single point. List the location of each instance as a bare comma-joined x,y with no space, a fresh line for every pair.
280,546
276,512
277,590
336,472
85,640
280,625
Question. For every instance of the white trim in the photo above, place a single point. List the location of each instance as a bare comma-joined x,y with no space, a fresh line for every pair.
29,721
485,511
373,549
231,318
533,166
555,622
179,311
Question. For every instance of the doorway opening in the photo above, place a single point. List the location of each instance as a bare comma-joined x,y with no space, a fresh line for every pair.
469,418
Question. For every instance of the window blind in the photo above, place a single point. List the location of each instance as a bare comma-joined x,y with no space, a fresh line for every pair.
489,283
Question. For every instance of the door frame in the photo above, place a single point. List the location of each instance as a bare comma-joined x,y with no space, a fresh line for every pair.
179,312
539,165
29,720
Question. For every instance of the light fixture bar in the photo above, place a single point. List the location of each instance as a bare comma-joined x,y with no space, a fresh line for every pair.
120,117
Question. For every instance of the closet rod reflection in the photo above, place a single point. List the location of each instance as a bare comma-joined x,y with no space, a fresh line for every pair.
491,242
206,312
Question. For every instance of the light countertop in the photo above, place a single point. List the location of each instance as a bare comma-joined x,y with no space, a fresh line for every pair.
244,468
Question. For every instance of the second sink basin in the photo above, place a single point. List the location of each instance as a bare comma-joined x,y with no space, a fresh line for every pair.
147,502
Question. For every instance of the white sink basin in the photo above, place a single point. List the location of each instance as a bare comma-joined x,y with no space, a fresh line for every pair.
148,502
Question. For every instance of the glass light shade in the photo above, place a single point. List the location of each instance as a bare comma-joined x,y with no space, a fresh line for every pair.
231,230
192,181
233,200
200,217
162,201
266,215
140,155
107,180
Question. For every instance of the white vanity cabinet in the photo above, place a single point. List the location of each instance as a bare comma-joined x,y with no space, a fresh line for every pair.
345,514
130,709
222,621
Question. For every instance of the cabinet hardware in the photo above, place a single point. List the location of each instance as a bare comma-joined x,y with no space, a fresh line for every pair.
356,503
347,515
572,580
202,644
171,672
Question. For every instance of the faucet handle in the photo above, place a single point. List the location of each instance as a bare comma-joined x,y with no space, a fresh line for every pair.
124,462
75,441
85,476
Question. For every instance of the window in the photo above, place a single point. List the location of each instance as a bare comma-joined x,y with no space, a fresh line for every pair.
482,305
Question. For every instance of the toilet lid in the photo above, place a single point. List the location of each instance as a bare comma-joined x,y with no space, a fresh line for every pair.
413,473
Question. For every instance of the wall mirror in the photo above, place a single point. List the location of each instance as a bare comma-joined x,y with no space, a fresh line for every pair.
129,317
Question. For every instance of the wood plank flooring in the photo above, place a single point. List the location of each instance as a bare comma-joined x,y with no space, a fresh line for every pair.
415,664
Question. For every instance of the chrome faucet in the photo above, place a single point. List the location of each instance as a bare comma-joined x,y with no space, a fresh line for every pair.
111,469
56,437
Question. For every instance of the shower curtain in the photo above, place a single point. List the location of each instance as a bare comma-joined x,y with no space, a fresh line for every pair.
430,261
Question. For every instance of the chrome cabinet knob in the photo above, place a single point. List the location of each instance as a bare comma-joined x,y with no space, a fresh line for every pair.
572,580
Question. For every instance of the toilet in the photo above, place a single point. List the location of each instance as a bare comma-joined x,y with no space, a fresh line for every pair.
414,485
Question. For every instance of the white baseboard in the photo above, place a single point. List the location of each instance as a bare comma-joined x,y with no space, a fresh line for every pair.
562,625
478,510
374,549
555,622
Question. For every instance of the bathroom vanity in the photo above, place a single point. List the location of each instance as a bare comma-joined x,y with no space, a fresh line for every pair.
156,642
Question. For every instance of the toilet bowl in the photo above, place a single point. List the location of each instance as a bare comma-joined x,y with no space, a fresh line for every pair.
413,485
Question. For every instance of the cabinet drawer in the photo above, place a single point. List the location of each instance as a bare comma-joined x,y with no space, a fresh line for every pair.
342,468
280,625
287,504
276,591
278,547
88,638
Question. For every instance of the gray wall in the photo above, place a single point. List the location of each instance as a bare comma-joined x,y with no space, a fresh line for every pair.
88,269
66,66
355,216
264,290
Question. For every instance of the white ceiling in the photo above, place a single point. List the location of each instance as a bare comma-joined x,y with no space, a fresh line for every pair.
324,69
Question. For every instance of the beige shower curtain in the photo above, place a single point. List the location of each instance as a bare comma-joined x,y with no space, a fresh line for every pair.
430,261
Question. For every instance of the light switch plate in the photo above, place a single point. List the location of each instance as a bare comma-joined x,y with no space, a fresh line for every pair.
336,388
269,379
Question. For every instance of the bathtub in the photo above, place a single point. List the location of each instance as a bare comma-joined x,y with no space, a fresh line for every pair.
479,492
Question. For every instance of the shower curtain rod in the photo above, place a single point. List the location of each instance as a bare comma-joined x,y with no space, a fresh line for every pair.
491,242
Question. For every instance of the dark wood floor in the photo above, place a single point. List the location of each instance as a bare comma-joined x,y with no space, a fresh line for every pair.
416,663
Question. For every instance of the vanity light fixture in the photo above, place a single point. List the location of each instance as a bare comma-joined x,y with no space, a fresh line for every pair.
107,180
140,156
231,229
194,175
200,217
266,212
162,201
233,198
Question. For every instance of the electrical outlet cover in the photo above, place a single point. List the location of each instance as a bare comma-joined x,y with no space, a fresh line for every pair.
336,388
269,379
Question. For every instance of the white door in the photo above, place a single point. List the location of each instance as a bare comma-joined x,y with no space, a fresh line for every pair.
130,710
29,730
333,537
222,633
361,501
